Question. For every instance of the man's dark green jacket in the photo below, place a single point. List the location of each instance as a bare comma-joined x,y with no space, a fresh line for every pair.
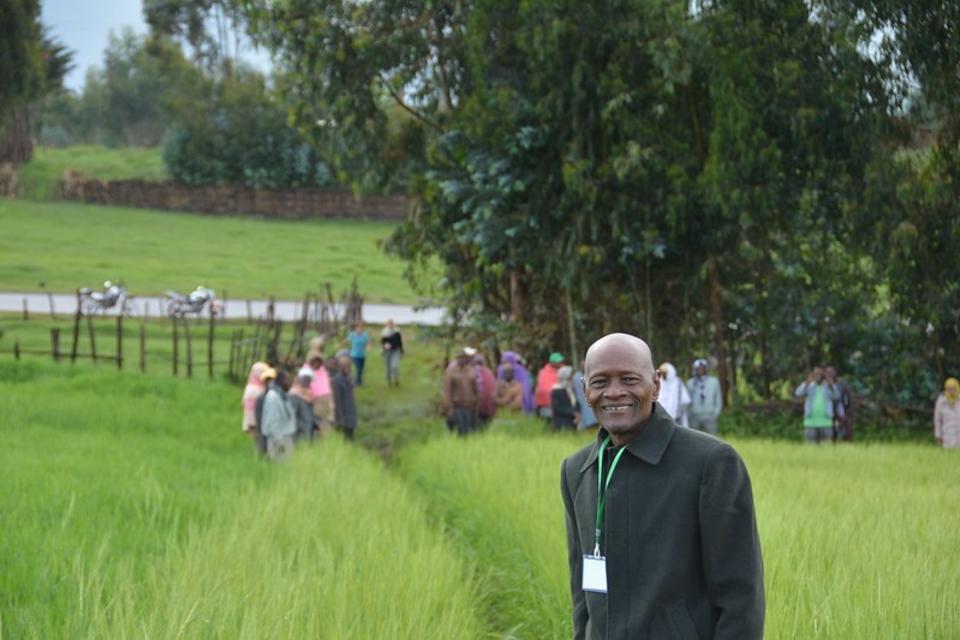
679,535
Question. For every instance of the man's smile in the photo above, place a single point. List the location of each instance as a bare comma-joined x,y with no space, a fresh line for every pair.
617,408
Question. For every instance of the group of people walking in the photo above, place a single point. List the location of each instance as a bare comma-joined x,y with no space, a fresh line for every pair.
473,394
280,410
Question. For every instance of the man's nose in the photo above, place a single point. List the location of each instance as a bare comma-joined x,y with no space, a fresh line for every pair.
615,389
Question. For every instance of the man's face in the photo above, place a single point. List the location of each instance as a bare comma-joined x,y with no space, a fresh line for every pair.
700,370
462,360
817,374
621,387
315,363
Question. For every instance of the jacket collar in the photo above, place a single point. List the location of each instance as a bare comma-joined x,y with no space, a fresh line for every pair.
649,445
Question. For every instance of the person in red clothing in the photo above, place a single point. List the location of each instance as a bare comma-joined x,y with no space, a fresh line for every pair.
545,381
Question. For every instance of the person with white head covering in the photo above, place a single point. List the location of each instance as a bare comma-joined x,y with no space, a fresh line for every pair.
674,396
706,398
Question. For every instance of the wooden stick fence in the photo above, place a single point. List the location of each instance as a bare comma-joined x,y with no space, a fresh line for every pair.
317,312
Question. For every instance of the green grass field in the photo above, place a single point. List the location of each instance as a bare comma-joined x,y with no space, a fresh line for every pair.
67,245
140,511
858,541
39,177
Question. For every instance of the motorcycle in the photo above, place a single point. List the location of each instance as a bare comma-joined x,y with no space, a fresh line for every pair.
179,305
114,296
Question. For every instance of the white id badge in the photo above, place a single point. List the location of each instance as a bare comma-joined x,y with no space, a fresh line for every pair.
595,574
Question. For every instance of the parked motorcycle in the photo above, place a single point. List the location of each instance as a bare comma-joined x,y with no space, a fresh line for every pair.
113,296
179,305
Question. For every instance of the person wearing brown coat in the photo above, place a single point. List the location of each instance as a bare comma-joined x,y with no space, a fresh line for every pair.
674,550
461,397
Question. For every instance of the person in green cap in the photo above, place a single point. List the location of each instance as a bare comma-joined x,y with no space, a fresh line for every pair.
546,379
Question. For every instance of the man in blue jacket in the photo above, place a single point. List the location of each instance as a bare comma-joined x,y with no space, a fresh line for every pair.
661,531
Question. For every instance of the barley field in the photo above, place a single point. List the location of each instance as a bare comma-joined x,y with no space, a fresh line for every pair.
134,507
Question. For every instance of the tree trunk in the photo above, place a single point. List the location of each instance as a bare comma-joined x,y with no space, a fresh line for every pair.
518,295
716,314
16,146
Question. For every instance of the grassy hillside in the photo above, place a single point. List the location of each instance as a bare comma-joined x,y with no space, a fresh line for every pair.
40,176
66,245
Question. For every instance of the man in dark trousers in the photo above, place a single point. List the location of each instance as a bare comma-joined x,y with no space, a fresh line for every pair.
666,546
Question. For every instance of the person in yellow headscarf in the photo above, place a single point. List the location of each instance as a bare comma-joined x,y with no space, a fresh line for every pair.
946,415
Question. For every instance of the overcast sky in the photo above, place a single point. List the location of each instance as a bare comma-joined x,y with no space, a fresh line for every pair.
83,26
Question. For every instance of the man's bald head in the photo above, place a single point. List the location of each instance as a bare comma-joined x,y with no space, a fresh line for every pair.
619,342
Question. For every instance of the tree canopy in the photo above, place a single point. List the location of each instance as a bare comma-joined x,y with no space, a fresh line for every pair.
730,177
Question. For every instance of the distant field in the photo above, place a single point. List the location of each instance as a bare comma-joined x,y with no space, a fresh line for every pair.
40,176
67,245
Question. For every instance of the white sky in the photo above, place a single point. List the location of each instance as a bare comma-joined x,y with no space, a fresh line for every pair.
83,26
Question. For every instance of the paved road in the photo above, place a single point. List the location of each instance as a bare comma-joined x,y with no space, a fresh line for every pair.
39,303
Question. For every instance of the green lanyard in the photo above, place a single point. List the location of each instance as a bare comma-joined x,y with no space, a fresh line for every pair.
602,488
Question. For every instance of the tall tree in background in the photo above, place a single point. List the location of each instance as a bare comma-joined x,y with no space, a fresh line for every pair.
632,152
31,64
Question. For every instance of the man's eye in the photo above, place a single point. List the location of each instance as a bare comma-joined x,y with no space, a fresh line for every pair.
596,383
630,380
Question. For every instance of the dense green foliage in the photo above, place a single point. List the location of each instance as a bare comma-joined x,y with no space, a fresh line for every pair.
720,177
153,251
217,126
240,135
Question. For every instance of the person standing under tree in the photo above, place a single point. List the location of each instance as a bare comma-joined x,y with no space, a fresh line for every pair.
706,398
842,408
461,396
820,394
946,415
392,344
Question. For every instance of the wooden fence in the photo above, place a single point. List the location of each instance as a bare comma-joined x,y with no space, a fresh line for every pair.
260,338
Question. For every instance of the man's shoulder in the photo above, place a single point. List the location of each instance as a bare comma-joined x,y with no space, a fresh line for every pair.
698,446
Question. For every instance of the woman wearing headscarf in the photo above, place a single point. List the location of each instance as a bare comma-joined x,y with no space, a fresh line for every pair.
674,396
521,375
251,393
563,400
946,415
300,398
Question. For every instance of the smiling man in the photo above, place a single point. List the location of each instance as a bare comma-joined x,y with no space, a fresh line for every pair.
661,530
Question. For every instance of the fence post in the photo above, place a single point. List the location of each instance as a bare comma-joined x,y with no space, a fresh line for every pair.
186,333
143,347
210,344
16,348
53,315
26,313
249,312
76,331
176,345
55,343
93,339
119,341
223,306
